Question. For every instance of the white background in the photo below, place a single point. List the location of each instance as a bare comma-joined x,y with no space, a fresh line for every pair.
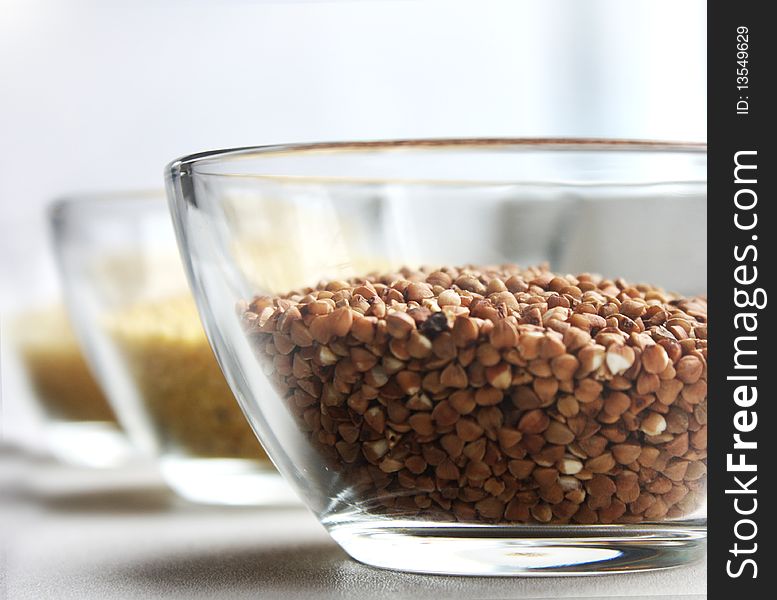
99,95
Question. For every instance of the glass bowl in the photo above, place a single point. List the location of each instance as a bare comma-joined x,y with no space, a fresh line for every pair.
79,425
131,304
439,408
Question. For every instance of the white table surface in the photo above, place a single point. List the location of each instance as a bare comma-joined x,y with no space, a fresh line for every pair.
72,533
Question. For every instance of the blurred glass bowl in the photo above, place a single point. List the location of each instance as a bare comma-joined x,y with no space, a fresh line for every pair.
79,425
130,302
353,397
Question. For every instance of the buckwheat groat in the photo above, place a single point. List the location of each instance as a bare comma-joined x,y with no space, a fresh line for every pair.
497,394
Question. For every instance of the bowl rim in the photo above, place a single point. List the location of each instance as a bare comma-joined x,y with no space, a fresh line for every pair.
78,200
188,162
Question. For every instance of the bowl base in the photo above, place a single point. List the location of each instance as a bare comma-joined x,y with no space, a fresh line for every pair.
95,444
226,481
493,550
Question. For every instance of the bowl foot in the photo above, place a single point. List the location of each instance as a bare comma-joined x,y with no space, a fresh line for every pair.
495,550
94,444
226,481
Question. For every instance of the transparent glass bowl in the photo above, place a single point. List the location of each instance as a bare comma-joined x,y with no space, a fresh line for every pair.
79,425
466,420
131,304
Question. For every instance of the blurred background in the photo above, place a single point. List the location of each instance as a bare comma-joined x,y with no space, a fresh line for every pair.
100,96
